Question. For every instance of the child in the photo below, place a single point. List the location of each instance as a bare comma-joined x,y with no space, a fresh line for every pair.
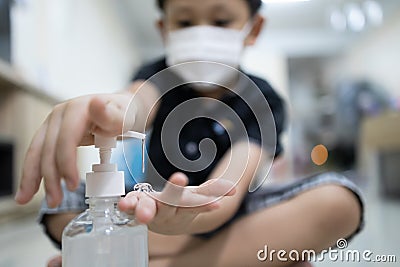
187,227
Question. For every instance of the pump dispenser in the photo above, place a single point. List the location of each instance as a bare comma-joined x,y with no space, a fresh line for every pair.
102,235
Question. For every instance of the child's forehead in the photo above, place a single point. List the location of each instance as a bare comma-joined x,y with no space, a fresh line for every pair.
206,5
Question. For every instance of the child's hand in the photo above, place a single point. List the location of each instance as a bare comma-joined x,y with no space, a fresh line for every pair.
52,153
174,209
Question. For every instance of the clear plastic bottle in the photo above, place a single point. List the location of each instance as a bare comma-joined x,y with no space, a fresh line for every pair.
102,235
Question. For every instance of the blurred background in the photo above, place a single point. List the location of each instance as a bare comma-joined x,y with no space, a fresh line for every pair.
336,63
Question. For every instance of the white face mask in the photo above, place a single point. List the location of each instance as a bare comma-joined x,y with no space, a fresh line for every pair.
210,44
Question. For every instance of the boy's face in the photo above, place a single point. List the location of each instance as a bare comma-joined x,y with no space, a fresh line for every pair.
234,14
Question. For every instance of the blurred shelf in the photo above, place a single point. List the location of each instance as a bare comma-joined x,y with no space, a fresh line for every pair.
379,147
23,107
10,80
382,132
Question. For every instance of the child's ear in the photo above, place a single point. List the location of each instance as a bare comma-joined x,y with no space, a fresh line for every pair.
258,23
161,27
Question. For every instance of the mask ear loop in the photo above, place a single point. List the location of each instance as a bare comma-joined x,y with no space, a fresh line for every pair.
247,28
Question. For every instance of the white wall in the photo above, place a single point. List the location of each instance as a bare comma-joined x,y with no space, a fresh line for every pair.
72,47
268,62
375,56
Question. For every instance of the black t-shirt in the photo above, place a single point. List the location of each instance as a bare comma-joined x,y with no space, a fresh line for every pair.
182,133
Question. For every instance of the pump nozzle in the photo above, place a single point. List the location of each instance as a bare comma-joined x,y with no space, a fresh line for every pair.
106,180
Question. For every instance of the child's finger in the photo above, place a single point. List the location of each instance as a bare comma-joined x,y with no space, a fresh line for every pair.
74,126
170,197
146,208
55,262
31,175
216,188
173,190
165,211
107,116
193,200
52,179
200,209
128,203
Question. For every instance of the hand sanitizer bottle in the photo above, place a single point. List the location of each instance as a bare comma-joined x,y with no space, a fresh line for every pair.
103,236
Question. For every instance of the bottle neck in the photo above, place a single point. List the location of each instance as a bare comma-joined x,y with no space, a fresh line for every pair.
104,206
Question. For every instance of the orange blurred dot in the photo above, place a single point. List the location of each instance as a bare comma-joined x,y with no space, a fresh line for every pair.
319,155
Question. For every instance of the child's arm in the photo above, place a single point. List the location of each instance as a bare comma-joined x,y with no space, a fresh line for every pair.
52,153
55,223
238,166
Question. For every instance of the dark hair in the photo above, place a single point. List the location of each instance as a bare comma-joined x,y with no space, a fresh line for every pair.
254,5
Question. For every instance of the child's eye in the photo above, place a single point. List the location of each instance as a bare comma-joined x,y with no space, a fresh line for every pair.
222,22
184,23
